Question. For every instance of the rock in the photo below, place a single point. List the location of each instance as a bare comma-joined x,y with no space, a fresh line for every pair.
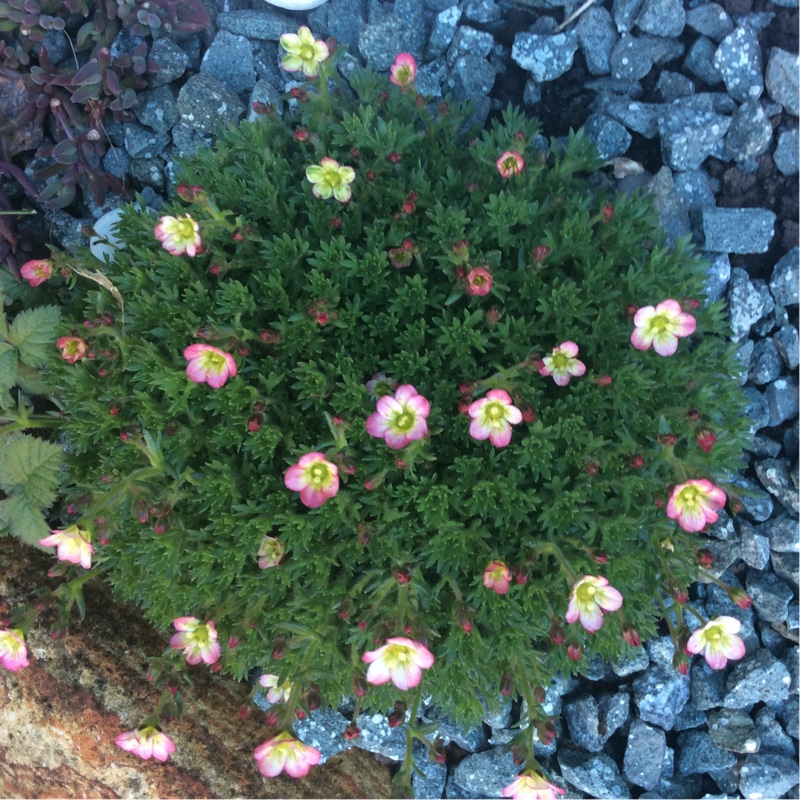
471,739
749,133
710,19
738,59
783,532
377,737
733,730
471,78
660,694
410,13
784,281
469,41
694,192
610,138
266,94
482,11
680,787
661,650
644,754
772,736
760,677
380,42
672,85
690,717
743,356
596,37
444,29
148,171
141,142
256,24
791,440
756,503
59,718
595,774
171,60
428,82
786,343
771,596
157,109
707,686
764,446
188,140
230,60
661,18
324,730
613,711
671,213
767,775
117,162
66,229
206,104
545,57
754,546
718,273
785,155
345,22
786,566
483,774
632,57
758,409
775,478
582,720
500,717
781,397
434,776
688,138
638,117
636,662
738,230
699,61
698,753
781,79
765,363
787,713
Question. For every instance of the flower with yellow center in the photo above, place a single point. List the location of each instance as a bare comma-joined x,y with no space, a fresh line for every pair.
590,597
661,326
718,642
400,661
303,52
562,364
694,504
315,478
331,178
178,235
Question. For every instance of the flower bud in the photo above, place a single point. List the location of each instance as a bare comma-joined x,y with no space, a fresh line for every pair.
631,310
262,109
556,633
506,684
591,468
693,414
545,729
233,642
255,422
680,596
409,207
539,694
741,598
370,175
244,711
492,316
279,650
271,719
464,621
528,414
520,574
706,438
631,635
667,439
680,662
359,686
271,337
336,223
604,380
398,715
301,135
574,652
598,555
690,304
607,212
313,697
299,713
636,461
351,732
437,753
705,557
540,253
394,157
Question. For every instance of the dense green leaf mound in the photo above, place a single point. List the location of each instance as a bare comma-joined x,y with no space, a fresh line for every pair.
303,293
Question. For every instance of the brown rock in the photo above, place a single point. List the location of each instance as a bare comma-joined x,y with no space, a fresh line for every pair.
59,717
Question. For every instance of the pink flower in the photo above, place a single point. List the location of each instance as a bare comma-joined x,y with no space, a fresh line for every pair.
73,545
380,384
591,596
285,752
661,326
403,71
562,364
147,742
695,504
492,417
717,640
72,348
13,653
209,364
270,553
532,786
178,235
36,272
400,419
316,479
510,163
278,692
497,577
198,640
400,661
479,281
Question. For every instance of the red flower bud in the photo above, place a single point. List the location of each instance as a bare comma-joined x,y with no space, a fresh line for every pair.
520,574
394,157
336,222
667,439
636,461
301,134
680,663
605,380
556,633
520,136
742,599
690,303
398,715
244,711
607,212
299,713
574,652
400,463
255,422
271,337
409,207
492,316
355,153
540,253
631,635
370,175
599,556
591,468
693,414
124,435
359,686
705,438
546,730
630,311
463,407
659,502
114,410
261,108
313,697
351,732
233,642
680,596
506,684
539,694
159,527
473,187
705,557
271,719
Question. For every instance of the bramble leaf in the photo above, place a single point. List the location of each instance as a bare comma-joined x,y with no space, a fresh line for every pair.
19,518
29,467
33,333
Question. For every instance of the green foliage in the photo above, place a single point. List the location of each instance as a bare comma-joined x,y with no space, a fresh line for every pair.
304,295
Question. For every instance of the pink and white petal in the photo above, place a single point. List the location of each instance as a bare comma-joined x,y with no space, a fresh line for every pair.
396,441
670,307
422,657
272,765
692,520
577,368
570,348
387,406
609,599
178,641
377,425
86,556
217,379
52,540
642,338
643,316
591,617
145,749
195,350
717,496
728,624
296,478
734,648
404,393
513,415
310,458
378,673
715,658
196,371
711,517
333,486
326,162
312,498
480,430
561,377
128,740
673,511
696,642
232,368
405,676
686,325
419,431
665,343
374,655
294,766
500,436
185,623
573,611
499,395
212,654
475,408
162,747
419,404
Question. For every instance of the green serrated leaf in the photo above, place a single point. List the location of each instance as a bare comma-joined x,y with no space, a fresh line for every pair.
19,518
29,467
33,381
33,333
8,366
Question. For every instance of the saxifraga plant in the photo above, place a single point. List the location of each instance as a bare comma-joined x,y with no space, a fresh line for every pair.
391,394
